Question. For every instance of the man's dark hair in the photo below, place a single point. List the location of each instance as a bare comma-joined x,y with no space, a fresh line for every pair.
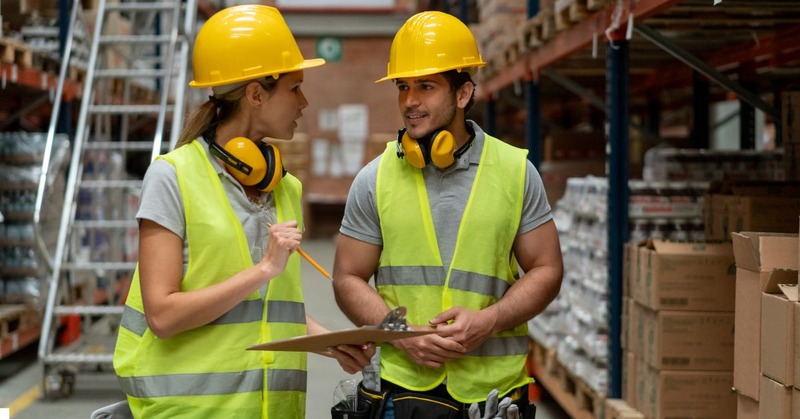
457,79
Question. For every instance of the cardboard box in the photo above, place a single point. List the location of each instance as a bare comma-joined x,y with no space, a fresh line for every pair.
765,213
778,336
797,346
620,409
630,325
687,340
796,404
643,403
746,408
756,255
751,206
689,394
686,276
629,378
629,267
776,400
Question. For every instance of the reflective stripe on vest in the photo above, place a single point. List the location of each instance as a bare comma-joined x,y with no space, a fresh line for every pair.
216,383
163,376
244,312
482,269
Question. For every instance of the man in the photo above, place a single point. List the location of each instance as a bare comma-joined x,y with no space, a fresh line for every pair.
442,218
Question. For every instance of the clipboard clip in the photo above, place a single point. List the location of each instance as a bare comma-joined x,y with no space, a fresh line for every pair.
395,320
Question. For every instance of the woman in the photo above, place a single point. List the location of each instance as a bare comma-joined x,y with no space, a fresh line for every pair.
219,222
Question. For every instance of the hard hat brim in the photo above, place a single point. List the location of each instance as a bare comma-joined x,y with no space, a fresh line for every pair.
428,72
306,64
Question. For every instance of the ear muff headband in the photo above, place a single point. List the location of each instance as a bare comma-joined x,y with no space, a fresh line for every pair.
275,169
440,152
253,164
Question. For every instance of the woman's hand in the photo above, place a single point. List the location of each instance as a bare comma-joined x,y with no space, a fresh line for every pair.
352,358
284,239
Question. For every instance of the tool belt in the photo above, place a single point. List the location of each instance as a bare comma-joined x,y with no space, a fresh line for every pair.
369,405
432,404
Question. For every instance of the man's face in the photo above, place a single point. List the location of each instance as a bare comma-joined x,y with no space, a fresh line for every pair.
426,104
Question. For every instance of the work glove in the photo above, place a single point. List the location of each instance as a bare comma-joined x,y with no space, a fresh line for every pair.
493,409
513,412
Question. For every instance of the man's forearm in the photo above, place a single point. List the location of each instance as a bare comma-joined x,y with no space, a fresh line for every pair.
528,297
359,301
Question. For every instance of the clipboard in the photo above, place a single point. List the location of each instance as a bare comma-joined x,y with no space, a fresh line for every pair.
392,327
320,343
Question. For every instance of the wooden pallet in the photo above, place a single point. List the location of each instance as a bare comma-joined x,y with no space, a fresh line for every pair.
569,12
548,22
594,5
585,397
15,52
574,396
16,317
530,35
544,358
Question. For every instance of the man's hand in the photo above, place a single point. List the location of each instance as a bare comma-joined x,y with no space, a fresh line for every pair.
431,350
467,327
352,358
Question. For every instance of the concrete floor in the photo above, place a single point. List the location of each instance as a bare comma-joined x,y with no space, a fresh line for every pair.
21,375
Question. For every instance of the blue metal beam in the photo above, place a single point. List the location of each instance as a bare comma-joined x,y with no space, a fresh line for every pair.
533,120
490,117
618,114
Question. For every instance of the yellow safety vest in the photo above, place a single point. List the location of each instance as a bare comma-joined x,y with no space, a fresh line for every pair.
207,372
411,272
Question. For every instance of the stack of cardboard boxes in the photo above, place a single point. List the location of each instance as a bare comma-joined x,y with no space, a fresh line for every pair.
678,329
766,373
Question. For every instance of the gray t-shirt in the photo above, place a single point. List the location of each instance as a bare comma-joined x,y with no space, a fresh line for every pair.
448,190
161,202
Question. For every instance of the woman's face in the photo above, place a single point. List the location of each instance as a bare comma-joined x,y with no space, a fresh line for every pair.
283,107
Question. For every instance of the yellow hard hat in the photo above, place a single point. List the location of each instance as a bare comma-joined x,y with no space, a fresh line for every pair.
245,42
430,43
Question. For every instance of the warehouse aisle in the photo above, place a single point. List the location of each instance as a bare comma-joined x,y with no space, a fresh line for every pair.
19,383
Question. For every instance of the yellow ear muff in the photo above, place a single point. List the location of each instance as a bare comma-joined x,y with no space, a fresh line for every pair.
412,151
443,148
441,151
247,151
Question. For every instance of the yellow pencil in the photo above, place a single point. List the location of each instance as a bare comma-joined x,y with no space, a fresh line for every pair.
311,261
314,264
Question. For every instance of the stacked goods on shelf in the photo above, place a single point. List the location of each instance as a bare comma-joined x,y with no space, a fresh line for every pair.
495,19
20,169
580,218
666,210
766,345
679,316
663,163
21,272
570,154
42,36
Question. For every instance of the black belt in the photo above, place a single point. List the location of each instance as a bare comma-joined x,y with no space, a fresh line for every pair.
519,395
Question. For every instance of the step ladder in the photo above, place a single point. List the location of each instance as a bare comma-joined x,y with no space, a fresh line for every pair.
134,86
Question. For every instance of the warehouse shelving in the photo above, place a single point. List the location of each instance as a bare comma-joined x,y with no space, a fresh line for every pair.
676,54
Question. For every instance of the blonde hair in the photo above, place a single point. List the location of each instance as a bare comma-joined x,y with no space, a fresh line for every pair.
217,109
